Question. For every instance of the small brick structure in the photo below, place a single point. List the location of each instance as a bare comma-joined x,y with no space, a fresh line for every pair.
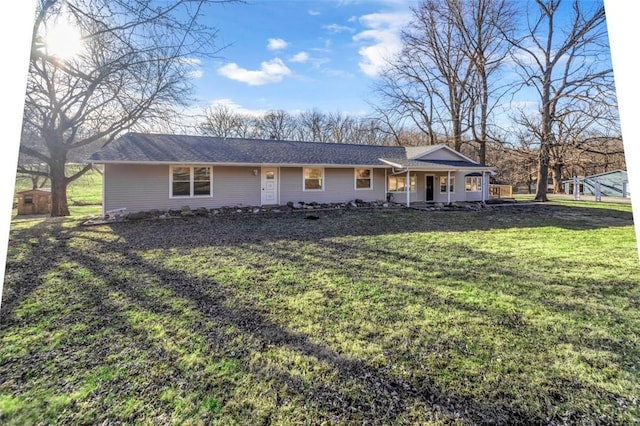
34,201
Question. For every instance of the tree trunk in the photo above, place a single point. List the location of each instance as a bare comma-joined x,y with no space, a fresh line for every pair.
547,135
543,173
557,178
59,205
484,114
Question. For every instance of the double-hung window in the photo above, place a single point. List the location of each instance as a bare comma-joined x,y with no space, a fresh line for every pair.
191,181
443,184
313,178
364,178
473,183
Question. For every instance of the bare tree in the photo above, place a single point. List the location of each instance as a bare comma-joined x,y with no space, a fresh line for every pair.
222,121
598,155
404,106
341,127
442,81
133,69
482,25
312,125
514,159
585,125
427,79
369,132
566,60
275,124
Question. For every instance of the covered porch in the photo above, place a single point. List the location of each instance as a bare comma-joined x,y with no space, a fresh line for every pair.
417,181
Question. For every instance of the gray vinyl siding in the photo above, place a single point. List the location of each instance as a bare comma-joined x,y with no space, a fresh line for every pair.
441,154
339,186
236,186
139,187
144,187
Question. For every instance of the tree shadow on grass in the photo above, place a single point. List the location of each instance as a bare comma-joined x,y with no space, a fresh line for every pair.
381,395
30,252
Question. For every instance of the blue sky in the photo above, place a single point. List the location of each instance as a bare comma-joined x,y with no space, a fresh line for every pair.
299,55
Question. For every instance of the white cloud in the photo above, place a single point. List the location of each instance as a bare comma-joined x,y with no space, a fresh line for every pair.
300,57
272,71
335,28
381,40
314,12
276,44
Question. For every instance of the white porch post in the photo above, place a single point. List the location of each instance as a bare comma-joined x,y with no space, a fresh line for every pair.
448,186
483,186
104,176
386,187
407,188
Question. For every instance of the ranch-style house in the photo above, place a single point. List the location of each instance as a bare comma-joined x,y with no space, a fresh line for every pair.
163,171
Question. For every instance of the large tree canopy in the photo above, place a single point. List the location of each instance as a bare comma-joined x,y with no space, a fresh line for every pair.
460,57
130,65
444,81
563,54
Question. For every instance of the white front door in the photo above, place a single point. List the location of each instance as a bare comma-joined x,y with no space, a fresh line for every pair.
269,184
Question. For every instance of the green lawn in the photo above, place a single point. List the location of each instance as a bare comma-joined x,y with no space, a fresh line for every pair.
509,315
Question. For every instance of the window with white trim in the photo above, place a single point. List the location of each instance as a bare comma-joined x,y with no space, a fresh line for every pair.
398,183
313,178
364,178
443,184
190,181
473,183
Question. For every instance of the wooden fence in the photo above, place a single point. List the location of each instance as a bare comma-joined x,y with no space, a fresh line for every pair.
500,191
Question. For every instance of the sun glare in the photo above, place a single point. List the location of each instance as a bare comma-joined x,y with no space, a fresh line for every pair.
63,40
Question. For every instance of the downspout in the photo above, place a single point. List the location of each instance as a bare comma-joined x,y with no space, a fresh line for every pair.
448,186
407,187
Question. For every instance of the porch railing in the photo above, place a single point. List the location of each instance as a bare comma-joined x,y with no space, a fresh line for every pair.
500,191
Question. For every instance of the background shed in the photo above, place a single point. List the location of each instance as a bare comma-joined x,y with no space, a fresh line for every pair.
34,201
612,184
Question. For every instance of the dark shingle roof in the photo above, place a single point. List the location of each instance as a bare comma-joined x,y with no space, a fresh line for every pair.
142,147
166,148
435,164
